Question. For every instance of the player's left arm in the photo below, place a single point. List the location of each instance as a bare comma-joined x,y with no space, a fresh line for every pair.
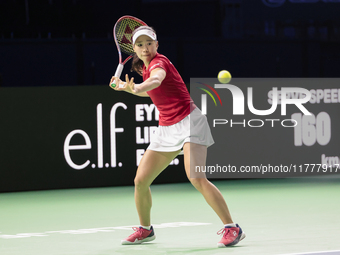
157,75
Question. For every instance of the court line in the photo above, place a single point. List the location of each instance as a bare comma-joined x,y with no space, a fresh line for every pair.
333,252
103,229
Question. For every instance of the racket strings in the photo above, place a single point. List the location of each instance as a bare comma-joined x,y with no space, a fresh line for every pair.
123,32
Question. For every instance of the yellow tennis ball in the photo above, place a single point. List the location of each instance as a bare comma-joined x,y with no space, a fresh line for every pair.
224,76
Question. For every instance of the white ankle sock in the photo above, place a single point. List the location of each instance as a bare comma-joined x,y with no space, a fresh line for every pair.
230,225
146,227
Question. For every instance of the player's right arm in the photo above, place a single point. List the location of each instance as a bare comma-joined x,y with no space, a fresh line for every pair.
156,78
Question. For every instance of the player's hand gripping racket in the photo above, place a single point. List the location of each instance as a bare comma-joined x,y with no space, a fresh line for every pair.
122,33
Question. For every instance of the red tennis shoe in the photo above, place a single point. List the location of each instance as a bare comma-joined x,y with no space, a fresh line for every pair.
141,235
231,236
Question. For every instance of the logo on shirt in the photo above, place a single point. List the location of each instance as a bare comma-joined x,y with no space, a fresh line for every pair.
152,67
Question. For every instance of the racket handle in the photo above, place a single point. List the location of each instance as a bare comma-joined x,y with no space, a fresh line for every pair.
118,72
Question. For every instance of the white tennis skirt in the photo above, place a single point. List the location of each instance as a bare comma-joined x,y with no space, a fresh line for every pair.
194,128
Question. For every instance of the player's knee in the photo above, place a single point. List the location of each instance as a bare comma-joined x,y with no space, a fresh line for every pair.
141,183
198,183
138,182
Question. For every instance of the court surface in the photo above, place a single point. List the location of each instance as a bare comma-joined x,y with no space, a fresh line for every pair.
279,216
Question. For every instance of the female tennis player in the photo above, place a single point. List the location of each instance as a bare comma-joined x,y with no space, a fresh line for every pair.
181,126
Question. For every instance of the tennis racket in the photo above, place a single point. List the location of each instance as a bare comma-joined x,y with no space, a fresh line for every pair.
122,33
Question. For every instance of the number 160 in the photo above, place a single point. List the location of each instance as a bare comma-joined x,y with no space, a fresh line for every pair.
311,129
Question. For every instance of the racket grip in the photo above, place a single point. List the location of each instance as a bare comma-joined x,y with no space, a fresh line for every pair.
118,72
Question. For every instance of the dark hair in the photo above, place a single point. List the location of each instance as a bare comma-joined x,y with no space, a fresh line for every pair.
137,63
